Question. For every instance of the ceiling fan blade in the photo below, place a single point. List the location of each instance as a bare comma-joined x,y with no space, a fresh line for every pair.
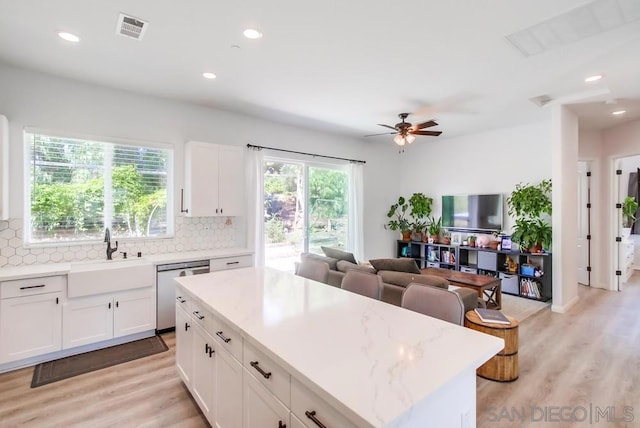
427,124
430,133
387,126
384,133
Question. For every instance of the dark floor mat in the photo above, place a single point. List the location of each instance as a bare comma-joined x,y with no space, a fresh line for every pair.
74,365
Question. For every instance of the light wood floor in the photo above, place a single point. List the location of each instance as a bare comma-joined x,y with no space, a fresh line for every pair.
587,358
584,360
141,393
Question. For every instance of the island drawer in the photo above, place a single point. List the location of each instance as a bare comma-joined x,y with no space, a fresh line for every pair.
224,263
202,316
227,337
183,300
32,286
307,406
271,375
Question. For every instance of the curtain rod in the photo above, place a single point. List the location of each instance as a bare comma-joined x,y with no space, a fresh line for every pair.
251,146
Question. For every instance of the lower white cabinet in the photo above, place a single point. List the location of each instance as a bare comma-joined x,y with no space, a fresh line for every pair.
184,345
228,391
261,407
93,319
203,370
30,326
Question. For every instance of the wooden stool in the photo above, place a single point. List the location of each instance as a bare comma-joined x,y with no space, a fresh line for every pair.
503,367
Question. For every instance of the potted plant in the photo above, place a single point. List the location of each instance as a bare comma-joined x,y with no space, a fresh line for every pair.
418,228
398,214
472,240
434,228
629,208
446,237
529,203
420,205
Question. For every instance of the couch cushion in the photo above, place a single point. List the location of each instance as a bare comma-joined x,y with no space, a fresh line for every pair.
398,265
403,279
339,254
333,263
344,266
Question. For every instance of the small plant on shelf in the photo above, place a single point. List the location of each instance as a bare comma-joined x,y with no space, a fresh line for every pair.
434,228
398,214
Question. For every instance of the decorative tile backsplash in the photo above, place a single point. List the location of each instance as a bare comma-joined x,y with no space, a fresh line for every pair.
191,233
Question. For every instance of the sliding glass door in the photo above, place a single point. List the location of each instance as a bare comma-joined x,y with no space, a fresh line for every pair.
306,207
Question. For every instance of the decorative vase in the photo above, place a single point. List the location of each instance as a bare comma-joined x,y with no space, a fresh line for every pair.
406,235
493,244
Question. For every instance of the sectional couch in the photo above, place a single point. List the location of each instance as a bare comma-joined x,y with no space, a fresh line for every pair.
396,275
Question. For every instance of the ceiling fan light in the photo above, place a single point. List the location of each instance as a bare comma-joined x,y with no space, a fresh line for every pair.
410,138
399,140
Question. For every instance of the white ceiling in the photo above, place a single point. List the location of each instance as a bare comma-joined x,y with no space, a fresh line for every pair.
339,66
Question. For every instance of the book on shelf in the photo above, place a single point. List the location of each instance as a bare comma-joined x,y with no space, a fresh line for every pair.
491,316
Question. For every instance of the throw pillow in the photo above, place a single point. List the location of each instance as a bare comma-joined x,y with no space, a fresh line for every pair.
339,254
398,265
333,263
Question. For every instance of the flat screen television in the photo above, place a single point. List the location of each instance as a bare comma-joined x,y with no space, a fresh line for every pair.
473,212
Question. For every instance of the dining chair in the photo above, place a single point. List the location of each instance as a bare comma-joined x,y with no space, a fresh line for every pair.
364,283
314,269
434,301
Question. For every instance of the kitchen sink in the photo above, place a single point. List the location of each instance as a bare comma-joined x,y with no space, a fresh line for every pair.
106,276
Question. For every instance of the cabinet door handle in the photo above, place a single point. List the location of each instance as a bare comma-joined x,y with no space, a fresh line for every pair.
233,263
117,304
180,299
264,374
217,210
312,415
186,326
282,424
57,301
206,348
32,286
222,336
109,305
220,210
197,314
211,351
182,209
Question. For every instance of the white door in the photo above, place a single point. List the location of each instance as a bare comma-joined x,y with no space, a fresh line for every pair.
30,325
203,371
228,391
261,408
135,311
231,190
583,223
87,320
184,345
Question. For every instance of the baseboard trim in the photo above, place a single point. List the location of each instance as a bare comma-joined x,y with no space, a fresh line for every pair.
561,309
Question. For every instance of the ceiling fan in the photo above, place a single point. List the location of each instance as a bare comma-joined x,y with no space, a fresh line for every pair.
405,132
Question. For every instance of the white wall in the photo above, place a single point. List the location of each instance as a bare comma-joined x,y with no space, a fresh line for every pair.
489,162
33,99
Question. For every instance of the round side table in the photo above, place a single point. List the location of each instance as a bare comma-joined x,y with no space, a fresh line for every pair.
502,367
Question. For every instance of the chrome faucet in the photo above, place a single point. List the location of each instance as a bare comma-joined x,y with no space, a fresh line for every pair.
107,239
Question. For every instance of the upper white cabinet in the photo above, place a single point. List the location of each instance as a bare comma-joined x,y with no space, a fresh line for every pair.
214,180
4,168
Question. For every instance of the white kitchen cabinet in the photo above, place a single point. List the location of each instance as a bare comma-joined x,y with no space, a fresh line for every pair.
30,325
4,168
203,369
228,390
296,423
626,258
260,407
214,180
93,319
184,345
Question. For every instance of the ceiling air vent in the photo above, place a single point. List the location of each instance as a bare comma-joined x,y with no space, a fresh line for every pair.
131,27
541,100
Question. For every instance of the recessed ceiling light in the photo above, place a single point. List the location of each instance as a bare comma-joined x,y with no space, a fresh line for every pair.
251,33
208,75
593,78
619,112
68,37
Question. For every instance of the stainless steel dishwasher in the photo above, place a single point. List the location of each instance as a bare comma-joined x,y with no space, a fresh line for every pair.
166,289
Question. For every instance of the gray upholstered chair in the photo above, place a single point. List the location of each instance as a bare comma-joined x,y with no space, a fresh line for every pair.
314,269
434,301
366,284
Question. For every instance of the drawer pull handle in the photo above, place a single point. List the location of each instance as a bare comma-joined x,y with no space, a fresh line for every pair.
197,314
28,287
180,299
264,374
282,424
186,326
222,336
312,415
232,263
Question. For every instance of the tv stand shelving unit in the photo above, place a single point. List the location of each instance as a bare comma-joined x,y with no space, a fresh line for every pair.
534,285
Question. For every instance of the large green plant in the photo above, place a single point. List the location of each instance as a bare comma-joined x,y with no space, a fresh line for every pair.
420,209
398,214
528,203
629,208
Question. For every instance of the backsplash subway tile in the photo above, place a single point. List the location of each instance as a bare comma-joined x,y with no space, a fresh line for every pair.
191,233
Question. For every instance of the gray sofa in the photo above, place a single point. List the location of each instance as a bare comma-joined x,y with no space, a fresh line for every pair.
394,281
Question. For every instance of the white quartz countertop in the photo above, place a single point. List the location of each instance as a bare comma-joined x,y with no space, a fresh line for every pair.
32,271
369,359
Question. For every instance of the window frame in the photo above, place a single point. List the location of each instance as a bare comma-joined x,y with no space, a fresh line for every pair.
27,243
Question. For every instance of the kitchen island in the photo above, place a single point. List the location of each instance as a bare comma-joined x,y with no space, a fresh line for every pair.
369,362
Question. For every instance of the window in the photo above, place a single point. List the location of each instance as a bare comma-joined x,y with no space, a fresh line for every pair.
77,188
306,207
